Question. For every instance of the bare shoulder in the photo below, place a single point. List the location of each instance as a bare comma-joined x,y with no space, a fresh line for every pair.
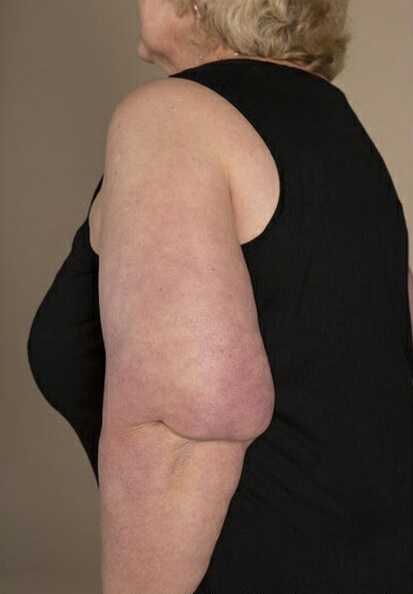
183,119
172,101
164,88
186,108
174,116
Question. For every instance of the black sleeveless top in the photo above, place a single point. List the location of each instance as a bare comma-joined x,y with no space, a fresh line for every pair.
324,503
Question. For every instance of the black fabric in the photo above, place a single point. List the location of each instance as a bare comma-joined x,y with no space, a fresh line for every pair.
65,345
324,504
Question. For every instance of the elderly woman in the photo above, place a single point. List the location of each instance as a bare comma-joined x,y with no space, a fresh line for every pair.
230,335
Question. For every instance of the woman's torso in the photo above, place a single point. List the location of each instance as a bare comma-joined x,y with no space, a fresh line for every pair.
324,503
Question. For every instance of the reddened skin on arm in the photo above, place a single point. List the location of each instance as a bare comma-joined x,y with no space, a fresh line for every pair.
178,315
188,386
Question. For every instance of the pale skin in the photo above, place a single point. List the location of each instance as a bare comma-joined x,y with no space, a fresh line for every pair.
188,386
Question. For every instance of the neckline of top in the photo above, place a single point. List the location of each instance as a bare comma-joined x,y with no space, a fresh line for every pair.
285,67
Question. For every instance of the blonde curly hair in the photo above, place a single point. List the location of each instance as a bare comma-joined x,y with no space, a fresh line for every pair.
311,33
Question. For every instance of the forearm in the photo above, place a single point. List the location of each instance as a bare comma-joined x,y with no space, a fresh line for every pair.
163,500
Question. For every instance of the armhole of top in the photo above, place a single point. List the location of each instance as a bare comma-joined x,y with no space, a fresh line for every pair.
96,192
244,112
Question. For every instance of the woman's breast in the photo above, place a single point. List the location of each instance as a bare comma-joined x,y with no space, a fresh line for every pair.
65,345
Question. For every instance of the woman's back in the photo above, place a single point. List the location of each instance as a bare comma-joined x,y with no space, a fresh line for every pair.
324,504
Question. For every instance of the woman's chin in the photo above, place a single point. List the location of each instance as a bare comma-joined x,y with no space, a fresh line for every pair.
143,53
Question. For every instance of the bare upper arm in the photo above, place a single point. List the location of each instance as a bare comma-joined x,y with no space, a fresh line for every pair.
177,309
